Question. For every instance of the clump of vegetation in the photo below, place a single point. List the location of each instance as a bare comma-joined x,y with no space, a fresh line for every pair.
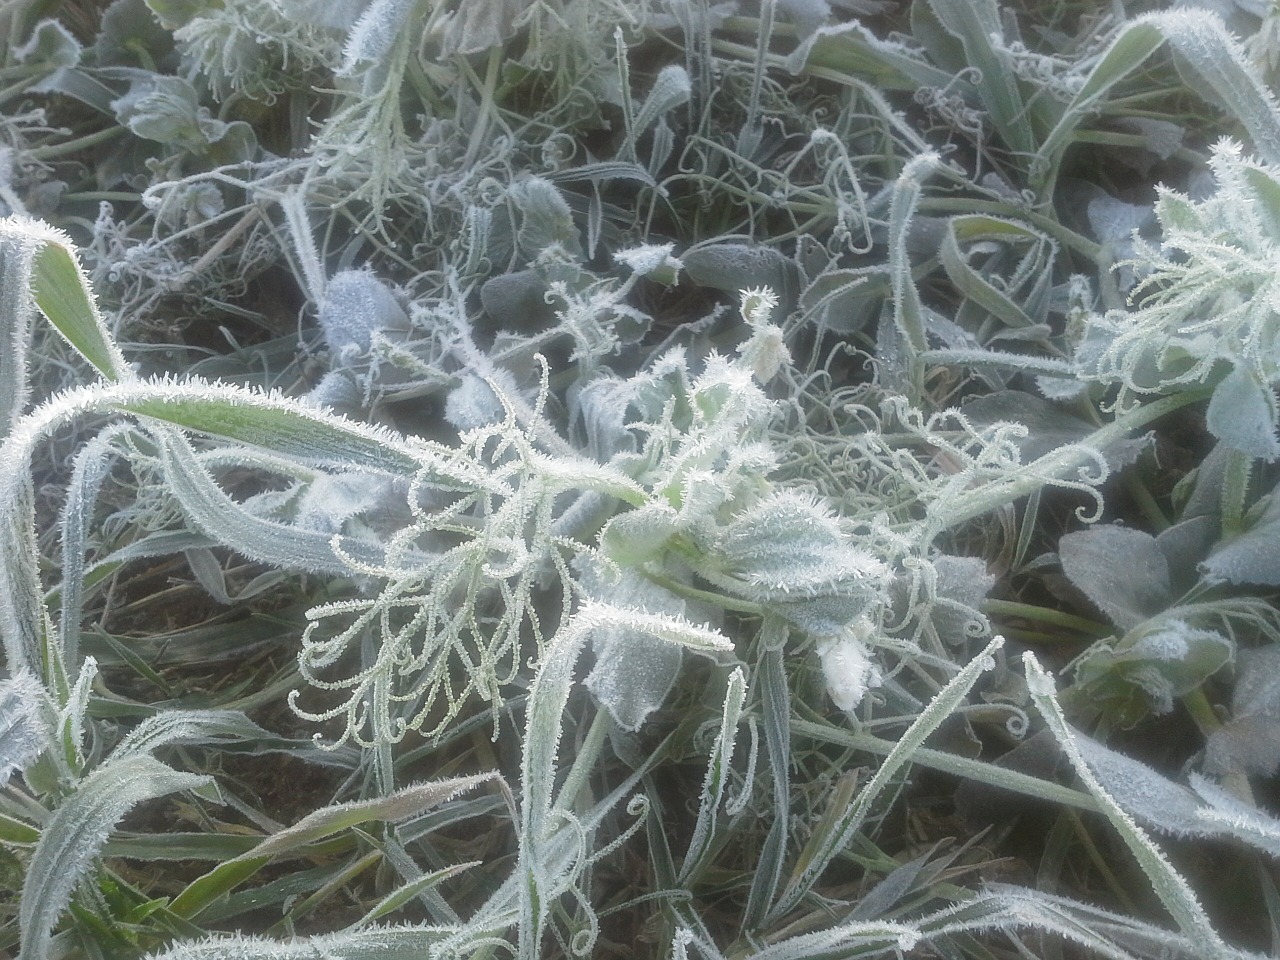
701,480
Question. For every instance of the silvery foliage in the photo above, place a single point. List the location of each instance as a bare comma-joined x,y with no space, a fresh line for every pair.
682,468
1205,303
23,733
1172,637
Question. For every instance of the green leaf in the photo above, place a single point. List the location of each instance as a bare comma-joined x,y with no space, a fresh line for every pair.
1146,670
404,803
274,423
1171,888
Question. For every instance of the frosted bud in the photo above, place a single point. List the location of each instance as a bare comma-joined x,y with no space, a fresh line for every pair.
764,352
848,669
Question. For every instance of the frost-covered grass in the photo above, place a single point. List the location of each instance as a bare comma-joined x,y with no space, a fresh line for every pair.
532,478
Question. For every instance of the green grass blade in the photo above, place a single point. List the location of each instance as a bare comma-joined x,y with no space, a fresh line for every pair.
404,803
1168,885
978,27
939,708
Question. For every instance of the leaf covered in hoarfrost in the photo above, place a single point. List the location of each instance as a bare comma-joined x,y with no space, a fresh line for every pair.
475,403
848,669
357,305
1121,570
1242,414
331,499
1146,670
479,25
1249,742
546,219
634,671
789,544
1250,557
23,733
1202,810
732,267
76,832
374,34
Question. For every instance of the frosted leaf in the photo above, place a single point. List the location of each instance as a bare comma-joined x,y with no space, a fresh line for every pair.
1123,571
167,110
1145,671
764,352
636,537
356,306
473,402
479,25
50,45
807,15
848,669
1140,790
1249,742
546,219
1250,557
737,266
634,671
1114,223
1225,813
23,732
338,391
947,592
1242,414
790,544
1204,810
76,832
1207,293
671,88
375,33
333,498
652,260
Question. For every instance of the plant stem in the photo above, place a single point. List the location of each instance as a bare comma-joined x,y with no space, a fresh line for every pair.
52,150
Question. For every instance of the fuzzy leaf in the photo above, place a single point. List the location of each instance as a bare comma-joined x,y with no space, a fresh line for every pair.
1242,414
790,546
1250,557
376,943
23,733
1146,670
733,267
546,220
634,671
395,807
357,305
1204,810
1123,571
73,836
374,34
1249,742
